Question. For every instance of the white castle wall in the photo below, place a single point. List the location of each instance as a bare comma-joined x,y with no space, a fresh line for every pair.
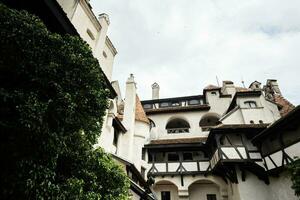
193,118
141,133
92,30
253,188
217,104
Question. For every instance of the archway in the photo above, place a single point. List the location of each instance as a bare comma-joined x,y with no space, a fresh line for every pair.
165,190
204,189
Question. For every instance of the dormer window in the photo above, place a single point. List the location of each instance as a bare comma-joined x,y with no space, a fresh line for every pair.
250,104
177,126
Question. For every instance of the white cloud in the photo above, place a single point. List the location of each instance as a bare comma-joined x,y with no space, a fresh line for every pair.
183,45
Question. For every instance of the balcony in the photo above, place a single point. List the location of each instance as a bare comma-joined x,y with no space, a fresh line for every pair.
173,168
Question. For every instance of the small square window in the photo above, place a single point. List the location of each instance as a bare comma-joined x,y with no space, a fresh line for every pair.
250,104
165,195
104,54
211,197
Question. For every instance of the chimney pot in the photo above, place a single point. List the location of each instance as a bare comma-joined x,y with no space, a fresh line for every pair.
155,91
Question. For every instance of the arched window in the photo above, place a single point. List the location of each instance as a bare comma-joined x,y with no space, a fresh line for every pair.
178,126
250,104
209,120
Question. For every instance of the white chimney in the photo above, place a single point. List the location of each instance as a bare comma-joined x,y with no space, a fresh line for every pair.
126,143
155,91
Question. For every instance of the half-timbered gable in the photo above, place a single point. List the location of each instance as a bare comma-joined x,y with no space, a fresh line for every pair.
280,143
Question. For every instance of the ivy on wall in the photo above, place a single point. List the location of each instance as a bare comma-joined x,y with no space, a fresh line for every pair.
52,101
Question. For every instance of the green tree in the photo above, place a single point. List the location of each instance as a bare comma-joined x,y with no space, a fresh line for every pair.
294,168
52,101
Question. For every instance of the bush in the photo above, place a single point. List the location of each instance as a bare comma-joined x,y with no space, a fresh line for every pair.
294,168
52,101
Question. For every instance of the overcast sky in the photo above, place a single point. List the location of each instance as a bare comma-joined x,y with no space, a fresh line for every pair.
183,45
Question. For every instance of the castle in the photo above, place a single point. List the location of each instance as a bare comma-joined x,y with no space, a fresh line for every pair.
227,143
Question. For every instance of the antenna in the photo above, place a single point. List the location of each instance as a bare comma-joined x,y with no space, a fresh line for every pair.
218,81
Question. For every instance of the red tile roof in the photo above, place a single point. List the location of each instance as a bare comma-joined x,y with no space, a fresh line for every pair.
285,104
140,114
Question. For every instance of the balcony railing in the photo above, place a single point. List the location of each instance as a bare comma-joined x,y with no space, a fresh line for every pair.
180,167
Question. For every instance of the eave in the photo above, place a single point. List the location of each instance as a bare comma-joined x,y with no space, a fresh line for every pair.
172,99
177,109
117,123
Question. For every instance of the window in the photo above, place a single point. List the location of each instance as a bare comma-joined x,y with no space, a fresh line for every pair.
143,154
104,54
116,136
211,197
174,104
89,32
250,104
251,122
187,156
143,172
214,93
164,104
150,157
173,157
209,120
159,157
194,102
198,155
165,195
178,126
147,106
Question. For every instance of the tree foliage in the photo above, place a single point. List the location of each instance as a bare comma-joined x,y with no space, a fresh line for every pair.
294,168
52,100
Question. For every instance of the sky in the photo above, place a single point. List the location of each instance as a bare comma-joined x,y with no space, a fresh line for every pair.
184,45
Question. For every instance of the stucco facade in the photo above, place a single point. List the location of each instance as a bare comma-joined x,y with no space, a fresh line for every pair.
217,145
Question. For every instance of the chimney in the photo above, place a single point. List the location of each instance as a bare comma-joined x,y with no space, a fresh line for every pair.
126,144
155,91
255,85
105,17
274,86
228,88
